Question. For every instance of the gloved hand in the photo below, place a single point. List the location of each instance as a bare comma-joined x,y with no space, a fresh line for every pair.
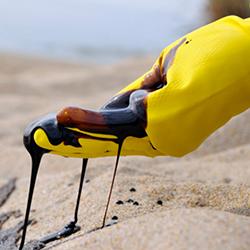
196,85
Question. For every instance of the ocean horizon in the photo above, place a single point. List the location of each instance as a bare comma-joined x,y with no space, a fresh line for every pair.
95,31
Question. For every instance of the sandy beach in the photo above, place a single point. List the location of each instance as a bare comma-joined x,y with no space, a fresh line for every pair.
200,201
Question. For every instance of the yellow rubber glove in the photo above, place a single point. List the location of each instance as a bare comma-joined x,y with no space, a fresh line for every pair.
208,82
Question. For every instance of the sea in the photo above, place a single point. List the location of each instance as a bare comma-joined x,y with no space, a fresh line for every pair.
95,31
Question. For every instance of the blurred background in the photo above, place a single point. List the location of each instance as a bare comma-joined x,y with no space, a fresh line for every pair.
104,31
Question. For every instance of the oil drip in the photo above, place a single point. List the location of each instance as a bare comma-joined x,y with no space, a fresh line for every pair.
71,228
36,157
36,154
113,180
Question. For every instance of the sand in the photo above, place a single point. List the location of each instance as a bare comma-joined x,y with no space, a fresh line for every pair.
205,196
